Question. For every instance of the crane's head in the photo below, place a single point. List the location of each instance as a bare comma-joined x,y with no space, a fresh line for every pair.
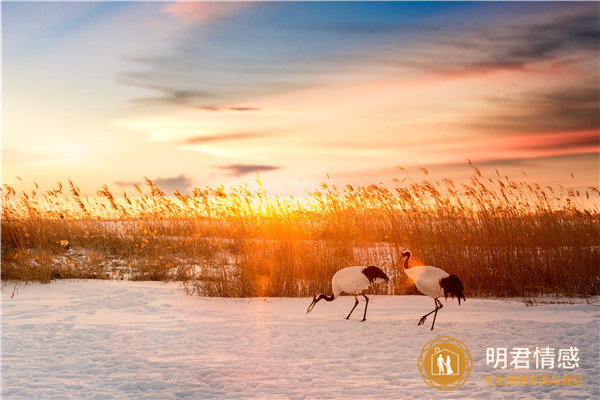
316,299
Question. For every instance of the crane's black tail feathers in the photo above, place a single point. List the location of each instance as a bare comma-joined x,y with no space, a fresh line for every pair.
452,286
372,273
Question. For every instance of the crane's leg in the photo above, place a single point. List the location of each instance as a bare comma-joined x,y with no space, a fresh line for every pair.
355,304
436,310
438,305
366,305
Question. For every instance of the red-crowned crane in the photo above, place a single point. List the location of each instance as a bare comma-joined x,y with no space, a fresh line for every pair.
433,282
352,280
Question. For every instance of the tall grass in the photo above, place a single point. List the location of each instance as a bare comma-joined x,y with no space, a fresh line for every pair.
501,236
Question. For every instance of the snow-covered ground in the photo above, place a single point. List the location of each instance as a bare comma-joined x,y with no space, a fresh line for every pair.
134,340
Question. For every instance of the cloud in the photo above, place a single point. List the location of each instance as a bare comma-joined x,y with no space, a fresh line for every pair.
222,108
244,169
124,184
171,89
501,147
200,11
181,183
256,55
169,185
233,60
191,79
566,143
571,108
223,137
516,45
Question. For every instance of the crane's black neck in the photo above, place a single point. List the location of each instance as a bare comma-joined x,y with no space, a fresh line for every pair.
407,258
324,297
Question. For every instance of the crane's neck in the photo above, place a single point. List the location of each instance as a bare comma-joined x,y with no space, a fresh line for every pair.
407,258
322,296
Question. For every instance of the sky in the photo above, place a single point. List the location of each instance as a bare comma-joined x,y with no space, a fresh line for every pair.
195,94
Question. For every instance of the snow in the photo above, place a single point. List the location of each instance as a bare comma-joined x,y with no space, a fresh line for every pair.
147,340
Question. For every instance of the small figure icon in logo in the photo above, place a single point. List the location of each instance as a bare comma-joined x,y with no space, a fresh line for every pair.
445,363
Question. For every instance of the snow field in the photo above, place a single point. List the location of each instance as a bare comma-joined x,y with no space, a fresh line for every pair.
147,340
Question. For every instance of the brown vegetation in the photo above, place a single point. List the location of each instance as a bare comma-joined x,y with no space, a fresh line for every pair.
501,236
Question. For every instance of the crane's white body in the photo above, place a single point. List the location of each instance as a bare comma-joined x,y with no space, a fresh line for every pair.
427,279
433,282
351,280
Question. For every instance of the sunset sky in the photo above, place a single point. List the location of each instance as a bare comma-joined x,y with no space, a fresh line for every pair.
194,94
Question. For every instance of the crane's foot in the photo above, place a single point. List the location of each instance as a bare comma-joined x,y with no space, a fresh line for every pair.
363,320
421,321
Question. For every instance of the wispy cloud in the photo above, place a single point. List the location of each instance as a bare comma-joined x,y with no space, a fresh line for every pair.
571,108
244,169
236,59
223,138
181,183
192,80
199,11
515,147
240,60
171,90
126,184
565,143
519,45
228,108
169,185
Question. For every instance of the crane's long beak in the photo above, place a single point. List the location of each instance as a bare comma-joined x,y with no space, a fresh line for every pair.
312,305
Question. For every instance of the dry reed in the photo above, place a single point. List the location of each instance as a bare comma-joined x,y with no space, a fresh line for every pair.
501,236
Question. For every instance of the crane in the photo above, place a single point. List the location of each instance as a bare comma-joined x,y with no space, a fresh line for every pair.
352,280
433,282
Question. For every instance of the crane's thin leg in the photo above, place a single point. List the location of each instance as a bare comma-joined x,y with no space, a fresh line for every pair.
434,315
355,304
438,305
366,305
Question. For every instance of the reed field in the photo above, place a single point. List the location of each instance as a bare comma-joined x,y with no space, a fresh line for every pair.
501,236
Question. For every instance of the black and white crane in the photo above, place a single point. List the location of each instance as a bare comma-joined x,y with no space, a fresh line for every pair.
352,280
433,282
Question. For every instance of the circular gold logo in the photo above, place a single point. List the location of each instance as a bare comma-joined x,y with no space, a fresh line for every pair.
445,363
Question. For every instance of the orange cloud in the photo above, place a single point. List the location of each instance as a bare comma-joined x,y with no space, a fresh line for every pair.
513,147
203,10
